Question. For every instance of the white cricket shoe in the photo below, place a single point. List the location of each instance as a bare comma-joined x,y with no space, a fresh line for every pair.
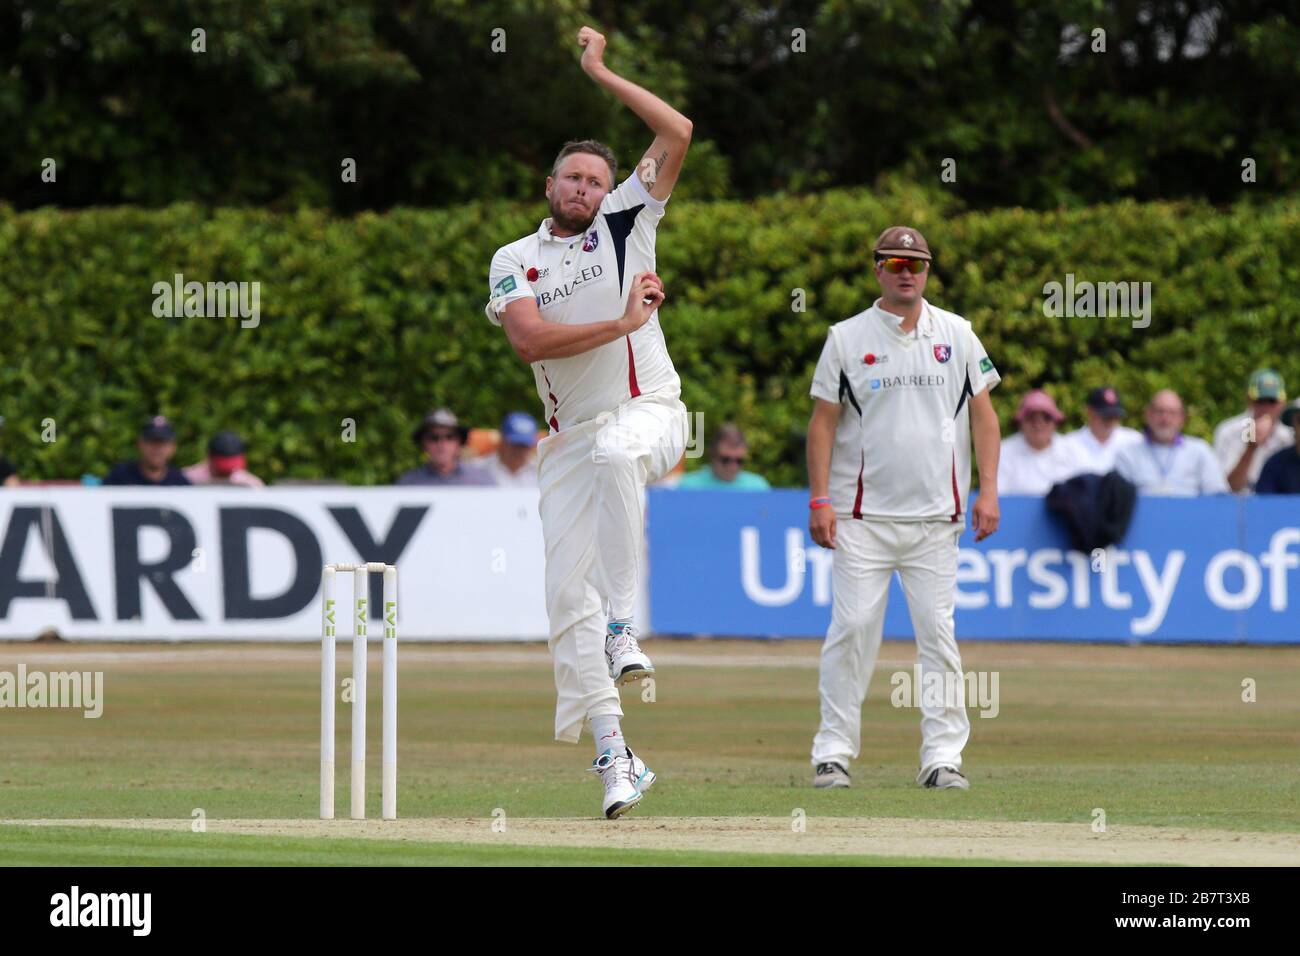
627,662
621,775
946,778
643,777
831,776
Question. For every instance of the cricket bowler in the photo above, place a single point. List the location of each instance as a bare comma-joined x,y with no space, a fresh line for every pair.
579,302
898,392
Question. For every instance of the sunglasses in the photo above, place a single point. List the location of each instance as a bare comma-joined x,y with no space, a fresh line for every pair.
897,264
441,436
730,460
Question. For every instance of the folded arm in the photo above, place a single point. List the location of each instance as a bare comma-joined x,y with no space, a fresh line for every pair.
535,340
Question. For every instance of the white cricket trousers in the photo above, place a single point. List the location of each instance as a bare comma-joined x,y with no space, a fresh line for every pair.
592,478
867,552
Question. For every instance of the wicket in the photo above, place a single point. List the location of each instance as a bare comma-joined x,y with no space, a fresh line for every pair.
360,592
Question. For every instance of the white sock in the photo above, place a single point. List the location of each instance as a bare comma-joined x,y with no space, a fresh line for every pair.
617,624
608,734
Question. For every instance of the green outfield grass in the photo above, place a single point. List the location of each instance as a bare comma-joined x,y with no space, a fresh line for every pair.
1154,736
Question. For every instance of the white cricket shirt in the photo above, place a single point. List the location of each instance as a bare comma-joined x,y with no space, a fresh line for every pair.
902,446
1025,470
583,279
1185,468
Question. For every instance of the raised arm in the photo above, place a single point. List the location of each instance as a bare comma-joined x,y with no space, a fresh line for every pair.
662,162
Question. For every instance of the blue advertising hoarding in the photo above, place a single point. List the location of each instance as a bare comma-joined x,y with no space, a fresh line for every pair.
1216,569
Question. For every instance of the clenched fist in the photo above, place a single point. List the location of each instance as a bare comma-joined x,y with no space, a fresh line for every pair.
593,44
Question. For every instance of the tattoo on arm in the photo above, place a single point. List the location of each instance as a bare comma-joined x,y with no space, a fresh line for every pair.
650,173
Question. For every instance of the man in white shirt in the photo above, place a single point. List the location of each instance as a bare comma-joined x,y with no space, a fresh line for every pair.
1036,457
578,300
1167,462
514,465
899,390
1244,442
1101,439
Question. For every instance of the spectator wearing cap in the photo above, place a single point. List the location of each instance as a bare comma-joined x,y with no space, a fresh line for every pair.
8,472
1244,442
226,464
1281,473
1167,462
514,464
728,453
1098,442
441,436
1036,457
156,446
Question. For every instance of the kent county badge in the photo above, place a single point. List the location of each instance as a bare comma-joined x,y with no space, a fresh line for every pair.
942,353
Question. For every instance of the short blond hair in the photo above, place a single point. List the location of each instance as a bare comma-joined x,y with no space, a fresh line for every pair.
595,148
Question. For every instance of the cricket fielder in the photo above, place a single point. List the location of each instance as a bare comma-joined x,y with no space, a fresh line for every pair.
899,389
579,302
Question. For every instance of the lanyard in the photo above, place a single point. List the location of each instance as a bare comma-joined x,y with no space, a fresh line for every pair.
1169,460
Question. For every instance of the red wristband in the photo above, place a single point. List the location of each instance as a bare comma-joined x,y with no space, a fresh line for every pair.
820,503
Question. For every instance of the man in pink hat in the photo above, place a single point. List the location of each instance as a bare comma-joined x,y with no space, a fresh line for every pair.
1036,457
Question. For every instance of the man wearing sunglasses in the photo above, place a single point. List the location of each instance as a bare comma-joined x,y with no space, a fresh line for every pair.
728,454
899,391
441,437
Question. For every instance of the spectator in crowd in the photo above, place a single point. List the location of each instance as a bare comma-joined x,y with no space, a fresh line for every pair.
1099,441
225,464
728,453
1167,462
1244,442
1036,457
1281,473
8,473
156,446
441,436
515,464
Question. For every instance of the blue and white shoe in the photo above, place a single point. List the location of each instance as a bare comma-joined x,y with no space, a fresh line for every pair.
643,777
627,662
621,794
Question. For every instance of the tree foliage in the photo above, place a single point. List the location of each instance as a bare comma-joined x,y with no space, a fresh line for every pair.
1016,92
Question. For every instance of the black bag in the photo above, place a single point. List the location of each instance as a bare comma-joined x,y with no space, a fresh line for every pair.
1095,509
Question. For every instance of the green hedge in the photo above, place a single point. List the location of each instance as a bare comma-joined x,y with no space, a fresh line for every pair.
379,317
